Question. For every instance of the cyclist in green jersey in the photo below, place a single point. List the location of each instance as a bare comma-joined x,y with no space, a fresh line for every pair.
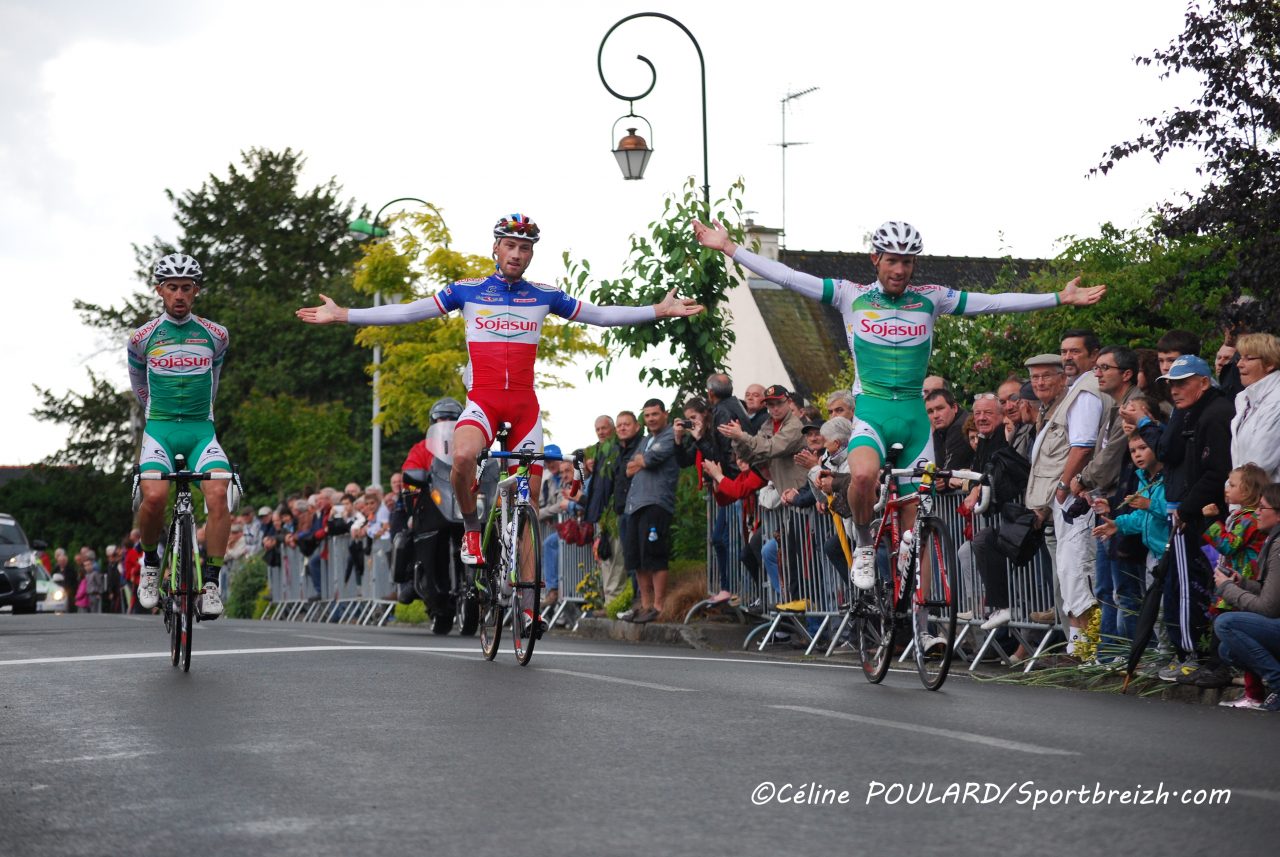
889,324
174,363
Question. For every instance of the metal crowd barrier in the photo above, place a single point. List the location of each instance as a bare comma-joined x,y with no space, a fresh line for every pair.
575,562
807,574
363,599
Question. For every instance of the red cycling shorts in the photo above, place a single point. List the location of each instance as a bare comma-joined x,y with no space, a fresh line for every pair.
488,409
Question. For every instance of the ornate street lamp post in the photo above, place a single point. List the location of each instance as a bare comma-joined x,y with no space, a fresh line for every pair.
632,152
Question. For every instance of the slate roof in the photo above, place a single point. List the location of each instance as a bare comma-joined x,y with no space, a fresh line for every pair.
810,337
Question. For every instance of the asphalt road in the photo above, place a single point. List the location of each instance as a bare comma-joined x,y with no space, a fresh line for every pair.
329,740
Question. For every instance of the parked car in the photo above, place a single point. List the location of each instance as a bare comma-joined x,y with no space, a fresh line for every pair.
18,563
51,594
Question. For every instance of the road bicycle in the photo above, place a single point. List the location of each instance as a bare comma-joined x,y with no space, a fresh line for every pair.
915,591
183,581
509,584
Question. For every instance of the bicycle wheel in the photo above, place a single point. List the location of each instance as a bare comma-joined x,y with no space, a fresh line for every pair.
873,615
933,605
526,623
170,599
487,595
186,590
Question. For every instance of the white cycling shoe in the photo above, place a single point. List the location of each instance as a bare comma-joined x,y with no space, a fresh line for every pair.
149,586
864,567
209,602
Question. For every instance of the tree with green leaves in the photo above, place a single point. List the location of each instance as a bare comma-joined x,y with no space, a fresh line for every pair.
423,362
669,257
295,445
1234,48
69,506
976,353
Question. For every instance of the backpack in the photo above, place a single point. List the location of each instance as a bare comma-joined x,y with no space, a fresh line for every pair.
1009,472
1018,537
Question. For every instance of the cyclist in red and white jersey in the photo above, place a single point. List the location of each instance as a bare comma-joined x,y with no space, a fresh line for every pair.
504,314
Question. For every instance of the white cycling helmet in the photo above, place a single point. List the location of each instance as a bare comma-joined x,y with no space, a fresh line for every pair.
178,266
897,236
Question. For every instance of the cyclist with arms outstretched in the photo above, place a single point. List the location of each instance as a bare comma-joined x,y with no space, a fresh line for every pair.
174,363
504,314
889,324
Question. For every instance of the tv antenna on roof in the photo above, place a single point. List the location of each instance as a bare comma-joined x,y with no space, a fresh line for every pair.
790,96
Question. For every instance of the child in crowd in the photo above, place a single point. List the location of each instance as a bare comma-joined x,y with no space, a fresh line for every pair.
1237,542
1149,517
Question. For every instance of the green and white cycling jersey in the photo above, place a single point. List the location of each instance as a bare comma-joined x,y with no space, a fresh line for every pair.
890,338
174,366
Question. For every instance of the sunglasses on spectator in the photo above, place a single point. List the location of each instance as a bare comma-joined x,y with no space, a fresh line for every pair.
982,396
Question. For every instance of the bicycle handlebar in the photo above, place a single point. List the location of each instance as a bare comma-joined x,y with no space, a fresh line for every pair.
937,474
187,475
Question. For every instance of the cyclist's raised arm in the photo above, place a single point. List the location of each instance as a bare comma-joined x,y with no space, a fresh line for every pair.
717,237
973,303
619,316
387,314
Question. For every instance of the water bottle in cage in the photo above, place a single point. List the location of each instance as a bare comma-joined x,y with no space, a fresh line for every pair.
653,534
904,551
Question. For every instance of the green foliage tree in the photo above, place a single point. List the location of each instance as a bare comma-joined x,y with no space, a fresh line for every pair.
1233,46
423,362
266,246
248,580
69,506
105,425
976,353
671,258
292,444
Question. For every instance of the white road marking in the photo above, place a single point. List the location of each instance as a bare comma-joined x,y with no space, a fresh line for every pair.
610,678
359,643
132,754
915,728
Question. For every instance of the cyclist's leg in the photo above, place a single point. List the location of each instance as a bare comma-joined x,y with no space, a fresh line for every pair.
156,456
208,456
474,432
525,416
867,446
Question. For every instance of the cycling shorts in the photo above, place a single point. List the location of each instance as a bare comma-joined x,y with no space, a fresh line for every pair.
488,409
164,439
880,423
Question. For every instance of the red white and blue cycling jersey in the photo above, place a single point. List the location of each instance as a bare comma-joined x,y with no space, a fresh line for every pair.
503,330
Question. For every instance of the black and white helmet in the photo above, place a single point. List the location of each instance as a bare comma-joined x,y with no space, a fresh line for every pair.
178,266
897,236
447,408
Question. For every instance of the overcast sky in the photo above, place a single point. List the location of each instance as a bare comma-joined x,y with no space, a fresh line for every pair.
977,122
